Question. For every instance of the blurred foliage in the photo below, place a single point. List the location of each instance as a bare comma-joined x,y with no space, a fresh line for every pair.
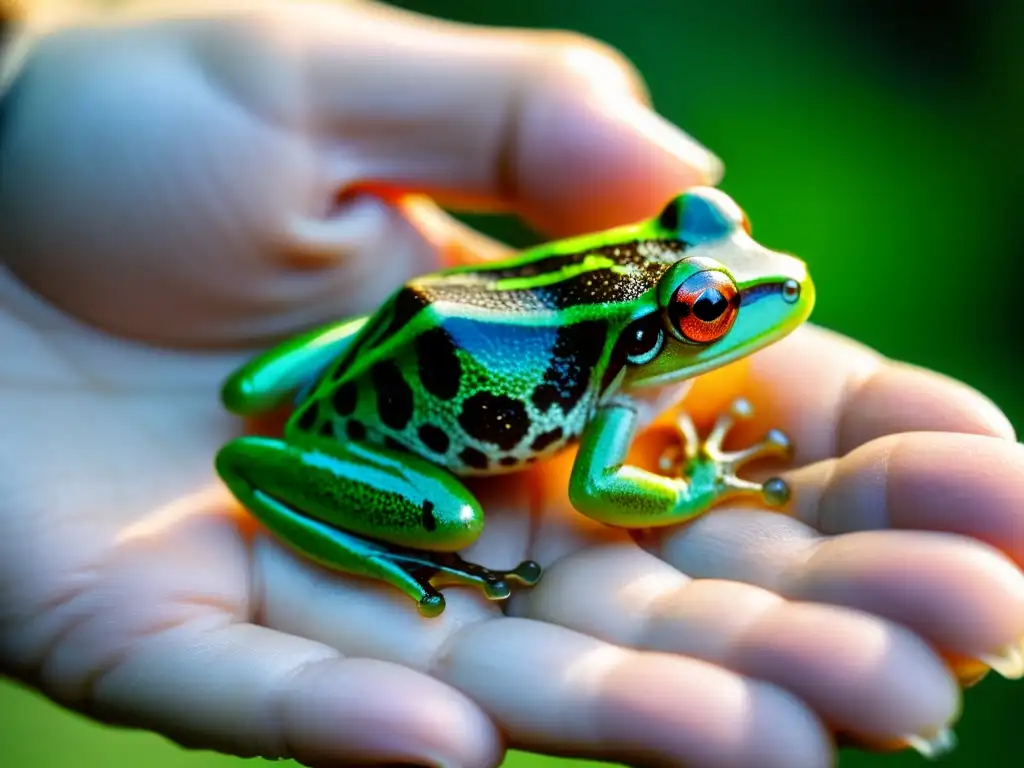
878,141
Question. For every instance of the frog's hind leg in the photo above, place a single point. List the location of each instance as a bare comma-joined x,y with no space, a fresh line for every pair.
367,511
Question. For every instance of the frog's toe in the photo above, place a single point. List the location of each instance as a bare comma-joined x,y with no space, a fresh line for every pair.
431,605
496,583
777,440
527,573
733,486
689,438
775,445
498,589
740,409
776,491
670,459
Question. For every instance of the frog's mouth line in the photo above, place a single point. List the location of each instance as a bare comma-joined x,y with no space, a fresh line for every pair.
760,291
798,306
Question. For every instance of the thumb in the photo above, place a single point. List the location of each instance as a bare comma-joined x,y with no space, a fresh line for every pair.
207,211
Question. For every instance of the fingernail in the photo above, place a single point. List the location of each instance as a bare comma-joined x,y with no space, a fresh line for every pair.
674,140
1008,661
933,745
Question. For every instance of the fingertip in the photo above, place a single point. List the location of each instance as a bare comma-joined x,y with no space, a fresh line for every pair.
922,481
962,595
598,77
900,397
440,726
792,730
741,721
891,681
248,690
957,483
590,152
590,160
554,125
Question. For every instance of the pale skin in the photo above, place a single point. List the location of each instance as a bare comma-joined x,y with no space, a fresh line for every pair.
136,591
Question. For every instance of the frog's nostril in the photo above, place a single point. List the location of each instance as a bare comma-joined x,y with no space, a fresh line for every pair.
790,291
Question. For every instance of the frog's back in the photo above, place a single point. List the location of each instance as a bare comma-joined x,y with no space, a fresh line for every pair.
485,370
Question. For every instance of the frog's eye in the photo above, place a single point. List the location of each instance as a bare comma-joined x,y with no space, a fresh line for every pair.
704,307
643,339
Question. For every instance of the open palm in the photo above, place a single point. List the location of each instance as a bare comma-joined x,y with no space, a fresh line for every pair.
136,590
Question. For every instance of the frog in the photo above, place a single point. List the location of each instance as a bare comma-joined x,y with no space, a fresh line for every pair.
492,367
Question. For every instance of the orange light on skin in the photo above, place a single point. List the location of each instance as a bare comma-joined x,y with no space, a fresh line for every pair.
455,243
968,672
387,193
711,395
268,424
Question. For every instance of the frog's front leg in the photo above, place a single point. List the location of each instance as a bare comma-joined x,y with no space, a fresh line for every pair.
367,511
277,375
607,489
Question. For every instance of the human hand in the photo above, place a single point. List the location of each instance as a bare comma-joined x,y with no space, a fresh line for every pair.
199,207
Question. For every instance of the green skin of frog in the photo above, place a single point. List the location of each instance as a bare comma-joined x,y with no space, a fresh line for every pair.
491,368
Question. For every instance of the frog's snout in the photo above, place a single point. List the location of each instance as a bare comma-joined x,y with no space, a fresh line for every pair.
798,291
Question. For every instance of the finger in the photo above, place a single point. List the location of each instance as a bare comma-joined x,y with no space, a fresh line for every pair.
893,483
328,268
148,628
864,676
579,696
251,691
548,124
831,394
241,245
550,689
896,482
962,596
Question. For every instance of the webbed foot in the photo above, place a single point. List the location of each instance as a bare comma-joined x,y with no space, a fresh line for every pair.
430,570
710,468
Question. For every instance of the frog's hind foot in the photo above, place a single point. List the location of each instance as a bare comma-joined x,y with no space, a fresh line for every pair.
705,461
430,570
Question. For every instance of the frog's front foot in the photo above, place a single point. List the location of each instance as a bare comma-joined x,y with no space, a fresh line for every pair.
430,570
710,469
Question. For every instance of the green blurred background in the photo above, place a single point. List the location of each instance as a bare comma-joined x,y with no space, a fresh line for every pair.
877,140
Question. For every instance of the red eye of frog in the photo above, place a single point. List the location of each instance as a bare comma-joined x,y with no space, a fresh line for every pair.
704,307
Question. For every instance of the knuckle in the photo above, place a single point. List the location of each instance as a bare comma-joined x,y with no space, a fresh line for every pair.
573,59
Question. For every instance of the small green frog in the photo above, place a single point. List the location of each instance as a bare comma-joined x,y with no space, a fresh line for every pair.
489,368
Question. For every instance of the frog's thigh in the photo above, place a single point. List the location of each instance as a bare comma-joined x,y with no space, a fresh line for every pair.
344,505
